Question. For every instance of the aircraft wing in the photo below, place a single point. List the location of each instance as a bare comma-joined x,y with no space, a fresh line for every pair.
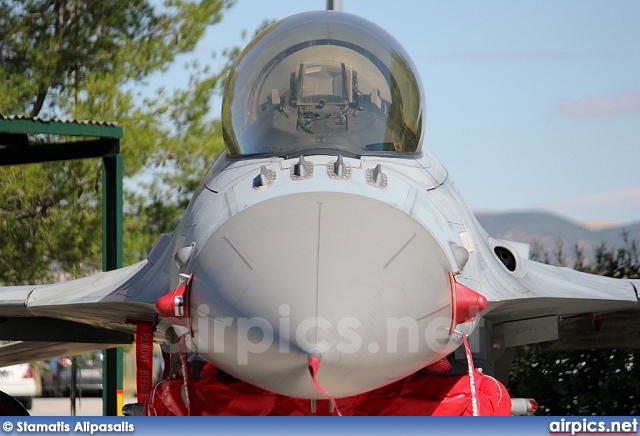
19,352
567,309
98,311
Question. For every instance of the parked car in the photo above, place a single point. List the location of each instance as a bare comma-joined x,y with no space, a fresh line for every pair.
56,375
18,381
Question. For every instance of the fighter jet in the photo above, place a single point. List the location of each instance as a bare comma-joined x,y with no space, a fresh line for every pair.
327,253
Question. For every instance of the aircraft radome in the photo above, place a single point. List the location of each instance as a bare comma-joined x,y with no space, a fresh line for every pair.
326,255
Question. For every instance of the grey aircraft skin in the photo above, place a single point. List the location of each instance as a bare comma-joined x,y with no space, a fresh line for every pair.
325,229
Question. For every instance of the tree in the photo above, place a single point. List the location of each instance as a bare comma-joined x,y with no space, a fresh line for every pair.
584,382
52,48
87,60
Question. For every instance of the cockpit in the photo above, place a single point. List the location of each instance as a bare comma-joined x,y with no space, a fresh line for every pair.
323,82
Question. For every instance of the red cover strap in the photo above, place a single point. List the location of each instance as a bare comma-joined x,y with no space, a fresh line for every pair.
144,361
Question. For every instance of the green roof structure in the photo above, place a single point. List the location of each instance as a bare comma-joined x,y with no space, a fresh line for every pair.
33,140
36,140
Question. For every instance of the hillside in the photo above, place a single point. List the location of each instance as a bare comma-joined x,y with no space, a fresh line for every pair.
547,229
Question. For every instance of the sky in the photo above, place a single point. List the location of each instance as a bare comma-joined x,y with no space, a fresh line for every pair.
531,104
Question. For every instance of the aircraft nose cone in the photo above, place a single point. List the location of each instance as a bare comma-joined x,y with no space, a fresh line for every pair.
351,279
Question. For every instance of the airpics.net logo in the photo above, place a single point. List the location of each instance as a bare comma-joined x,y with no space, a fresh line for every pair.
591,426
256,335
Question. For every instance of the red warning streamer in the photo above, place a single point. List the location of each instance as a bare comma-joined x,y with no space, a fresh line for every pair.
314,366
472,380
144,361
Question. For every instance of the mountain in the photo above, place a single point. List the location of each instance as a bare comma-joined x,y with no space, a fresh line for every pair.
547,229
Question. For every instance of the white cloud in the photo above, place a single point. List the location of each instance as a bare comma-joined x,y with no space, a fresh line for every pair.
626,103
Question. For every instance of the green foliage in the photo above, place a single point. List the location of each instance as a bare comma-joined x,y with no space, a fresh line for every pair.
89,60
28,242
584,382
51,48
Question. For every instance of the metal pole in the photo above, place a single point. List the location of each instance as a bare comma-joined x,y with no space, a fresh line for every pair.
74,384
334,5
112,392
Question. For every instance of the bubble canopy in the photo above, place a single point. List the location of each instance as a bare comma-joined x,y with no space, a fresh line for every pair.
323,82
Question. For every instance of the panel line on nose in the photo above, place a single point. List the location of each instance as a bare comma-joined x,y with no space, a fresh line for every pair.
232,245
438,309
406,244
318,267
